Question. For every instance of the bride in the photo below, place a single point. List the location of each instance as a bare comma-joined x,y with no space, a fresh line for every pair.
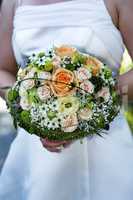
100,168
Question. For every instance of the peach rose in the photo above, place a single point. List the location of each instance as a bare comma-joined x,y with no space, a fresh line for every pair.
44,92
83,74
64,50
61,82
56,61
85,114
87,86
94,64
24,103
70,123
105,93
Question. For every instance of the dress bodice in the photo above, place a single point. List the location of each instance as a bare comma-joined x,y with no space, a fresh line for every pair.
85,24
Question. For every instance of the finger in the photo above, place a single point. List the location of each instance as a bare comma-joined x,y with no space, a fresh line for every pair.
54,150
67,144
51,145
48,143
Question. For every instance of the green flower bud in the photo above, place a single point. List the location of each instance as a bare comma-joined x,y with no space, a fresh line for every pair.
51,115
48,66
41,54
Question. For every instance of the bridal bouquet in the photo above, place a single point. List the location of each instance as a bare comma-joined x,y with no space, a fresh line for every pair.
63,94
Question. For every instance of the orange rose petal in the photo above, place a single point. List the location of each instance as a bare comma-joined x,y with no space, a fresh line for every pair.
61,80
94,64
64,50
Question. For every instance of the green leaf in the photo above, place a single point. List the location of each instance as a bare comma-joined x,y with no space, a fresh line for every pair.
107,72
90,105
70,67
100,121
12,95
25,117
32,96
78,58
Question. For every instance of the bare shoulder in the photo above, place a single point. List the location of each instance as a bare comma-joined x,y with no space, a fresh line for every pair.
111,6
33,2
7,9
124,4
125,10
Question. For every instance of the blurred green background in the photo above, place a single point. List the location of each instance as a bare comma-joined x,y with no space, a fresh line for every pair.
127,64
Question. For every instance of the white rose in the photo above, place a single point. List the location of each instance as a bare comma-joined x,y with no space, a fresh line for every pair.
31,73
28,84
44,75
70,123
24,103
85,114
83,74
44,92
22,91
87,86
105,93
21,73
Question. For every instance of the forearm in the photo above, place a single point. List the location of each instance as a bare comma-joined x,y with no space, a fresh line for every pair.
125,85
6,79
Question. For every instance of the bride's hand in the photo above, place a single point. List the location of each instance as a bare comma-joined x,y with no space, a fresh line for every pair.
54,146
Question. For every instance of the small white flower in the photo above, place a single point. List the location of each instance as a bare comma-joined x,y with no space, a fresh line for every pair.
104,92
85,114
41,61
33,58
44,92
24,103
83,74
54,105
87,86
70,123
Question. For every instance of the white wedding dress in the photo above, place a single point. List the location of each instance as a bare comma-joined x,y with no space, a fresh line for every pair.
98,169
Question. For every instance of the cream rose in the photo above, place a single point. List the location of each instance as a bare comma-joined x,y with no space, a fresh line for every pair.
83,74
22,91
56,61
44,75
28,84
24,103
21,73
31,73
105,93
87,86
70,123
85,114
44,92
